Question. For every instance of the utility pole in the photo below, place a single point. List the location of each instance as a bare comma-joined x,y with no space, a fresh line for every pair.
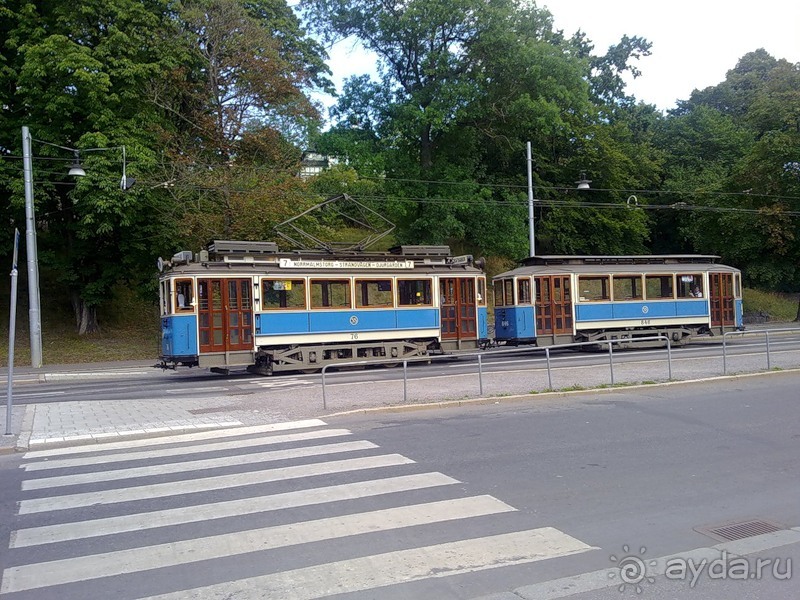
34,313
531,234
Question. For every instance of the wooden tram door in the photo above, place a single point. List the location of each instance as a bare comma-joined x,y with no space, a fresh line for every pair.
225,310
553,305
458,308
722,303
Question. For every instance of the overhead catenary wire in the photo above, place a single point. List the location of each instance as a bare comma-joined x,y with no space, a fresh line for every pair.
581,201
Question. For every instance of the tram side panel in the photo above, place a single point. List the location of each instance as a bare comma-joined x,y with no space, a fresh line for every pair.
278,329
641,315
298,326
628,303
514,316
179,339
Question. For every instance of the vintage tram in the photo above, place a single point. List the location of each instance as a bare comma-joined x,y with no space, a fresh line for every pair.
249,304
562,299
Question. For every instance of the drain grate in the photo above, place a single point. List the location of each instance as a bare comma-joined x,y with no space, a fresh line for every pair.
728,532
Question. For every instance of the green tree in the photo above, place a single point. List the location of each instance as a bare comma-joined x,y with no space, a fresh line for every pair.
463,87
423,47
234,112
729,152
74,74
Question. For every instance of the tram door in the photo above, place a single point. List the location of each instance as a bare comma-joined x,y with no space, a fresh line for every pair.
553,305
225,310
722,303
458,308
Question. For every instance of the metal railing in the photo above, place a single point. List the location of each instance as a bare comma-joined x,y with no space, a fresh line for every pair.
766,333
482,353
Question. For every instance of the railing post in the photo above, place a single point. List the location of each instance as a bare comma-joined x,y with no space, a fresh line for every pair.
768,361
324,398
724,354
405,381
669,357
611,360
480,375
549,376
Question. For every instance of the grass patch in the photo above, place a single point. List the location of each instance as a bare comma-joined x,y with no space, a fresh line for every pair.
130,330
773,306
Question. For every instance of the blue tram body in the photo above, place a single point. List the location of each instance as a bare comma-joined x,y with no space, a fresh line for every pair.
561,299
248,304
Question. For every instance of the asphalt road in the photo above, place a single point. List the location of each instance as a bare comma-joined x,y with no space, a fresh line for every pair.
558,486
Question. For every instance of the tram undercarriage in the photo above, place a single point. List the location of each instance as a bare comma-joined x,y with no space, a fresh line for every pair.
631,338
309,359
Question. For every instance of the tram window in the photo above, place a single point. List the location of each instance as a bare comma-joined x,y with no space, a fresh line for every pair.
414,292
330,293
737,282
524,290
658,287
593,289
508,291
279,294
163,296
690,286
481,291
627,287
499,300
183,295
372,293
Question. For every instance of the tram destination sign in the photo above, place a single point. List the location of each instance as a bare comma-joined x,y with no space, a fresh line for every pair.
464,259
291,263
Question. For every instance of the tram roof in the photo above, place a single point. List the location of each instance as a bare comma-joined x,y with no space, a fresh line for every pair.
597,265
268,258
610,259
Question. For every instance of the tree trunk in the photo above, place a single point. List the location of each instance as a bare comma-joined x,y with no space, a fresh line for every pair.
85,316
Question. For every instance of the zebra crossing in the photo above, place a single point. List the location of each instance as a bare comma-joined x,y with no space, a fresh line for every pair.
251,512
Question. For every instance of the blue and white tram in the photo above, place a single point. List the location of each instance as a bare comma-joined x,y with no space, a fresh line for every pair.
249,304
562,299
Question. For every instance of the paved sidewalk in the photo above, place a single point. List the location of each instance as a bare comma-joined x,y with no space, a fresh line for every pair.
70,423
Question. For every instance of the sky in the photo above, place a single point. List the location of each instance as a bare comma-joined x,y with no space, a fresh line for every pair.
695,42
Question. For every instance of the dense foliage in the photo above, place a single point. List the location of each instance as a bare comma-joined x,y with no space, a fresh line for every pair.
213,101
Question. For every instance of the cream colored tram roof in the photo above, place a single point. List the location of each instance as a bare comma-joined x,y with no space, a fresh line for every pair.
262,269
600,265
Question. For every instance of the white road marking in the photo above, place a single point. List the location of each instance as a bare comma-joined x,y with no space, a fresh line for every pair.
185,437
47,534
108,564
33,394
195,389
145,454
161,490
403,566
282,383
196,465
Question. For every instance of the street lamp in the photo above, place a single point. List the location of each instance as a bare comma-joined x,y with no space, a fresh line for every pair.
34,312
582,184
